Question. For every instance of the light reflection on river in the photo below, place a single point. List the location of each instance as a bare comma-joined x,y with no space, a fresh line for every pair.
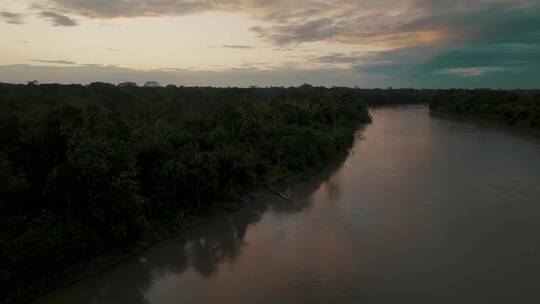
424,210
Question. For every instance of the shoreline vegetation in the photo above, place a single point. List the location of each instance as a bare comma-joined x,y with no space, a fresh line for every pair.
90,175
518,108
104,261
90,170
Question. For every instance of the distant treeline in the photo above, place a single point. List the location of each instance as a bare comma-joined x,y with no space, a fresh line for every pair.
87,169
520,108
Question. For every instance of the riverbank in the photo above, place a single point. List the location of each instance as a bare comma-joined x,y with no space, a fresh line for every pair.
483,122
519,109
97,265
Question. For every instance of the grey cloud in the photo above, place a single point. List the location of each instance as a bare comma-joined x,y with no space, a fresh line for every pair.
463,42
64,62
313,30
125,8
285,76
510,56
463,21
467,5
352,58
243,77
498,21
485,43
243,47
401,62
471,71
470,65
58,19
275,9
392,22
12,18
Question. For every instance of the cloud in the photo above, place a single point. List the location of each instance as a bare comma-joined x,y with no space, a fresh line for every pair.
12,18
275,9
125,8
470,71
418,22
512,55
242,47
243,77
401,61
391,23
352,58
412,42
58,19
503,65
312,30
250,74
63,62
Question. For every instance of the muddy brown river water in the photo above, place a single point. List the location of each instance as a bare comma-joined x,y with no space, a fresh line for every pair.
423,210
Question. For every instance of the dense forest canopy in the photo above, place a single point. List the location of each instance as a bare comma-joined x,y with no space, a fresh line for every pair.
519,108
86,169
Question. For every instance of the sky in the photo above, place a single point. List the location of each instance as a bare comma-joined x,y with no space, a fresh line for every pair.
364,43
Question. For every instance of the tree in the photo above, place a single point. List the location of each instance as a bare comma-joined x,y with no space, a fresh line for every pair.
152,84
127,84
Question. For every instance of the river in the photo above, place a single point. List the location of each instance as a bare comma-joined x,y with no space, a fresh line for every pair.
423,210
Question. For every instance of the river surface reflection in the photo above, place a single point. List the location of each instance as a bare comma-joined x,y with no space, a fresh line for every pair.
423,210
